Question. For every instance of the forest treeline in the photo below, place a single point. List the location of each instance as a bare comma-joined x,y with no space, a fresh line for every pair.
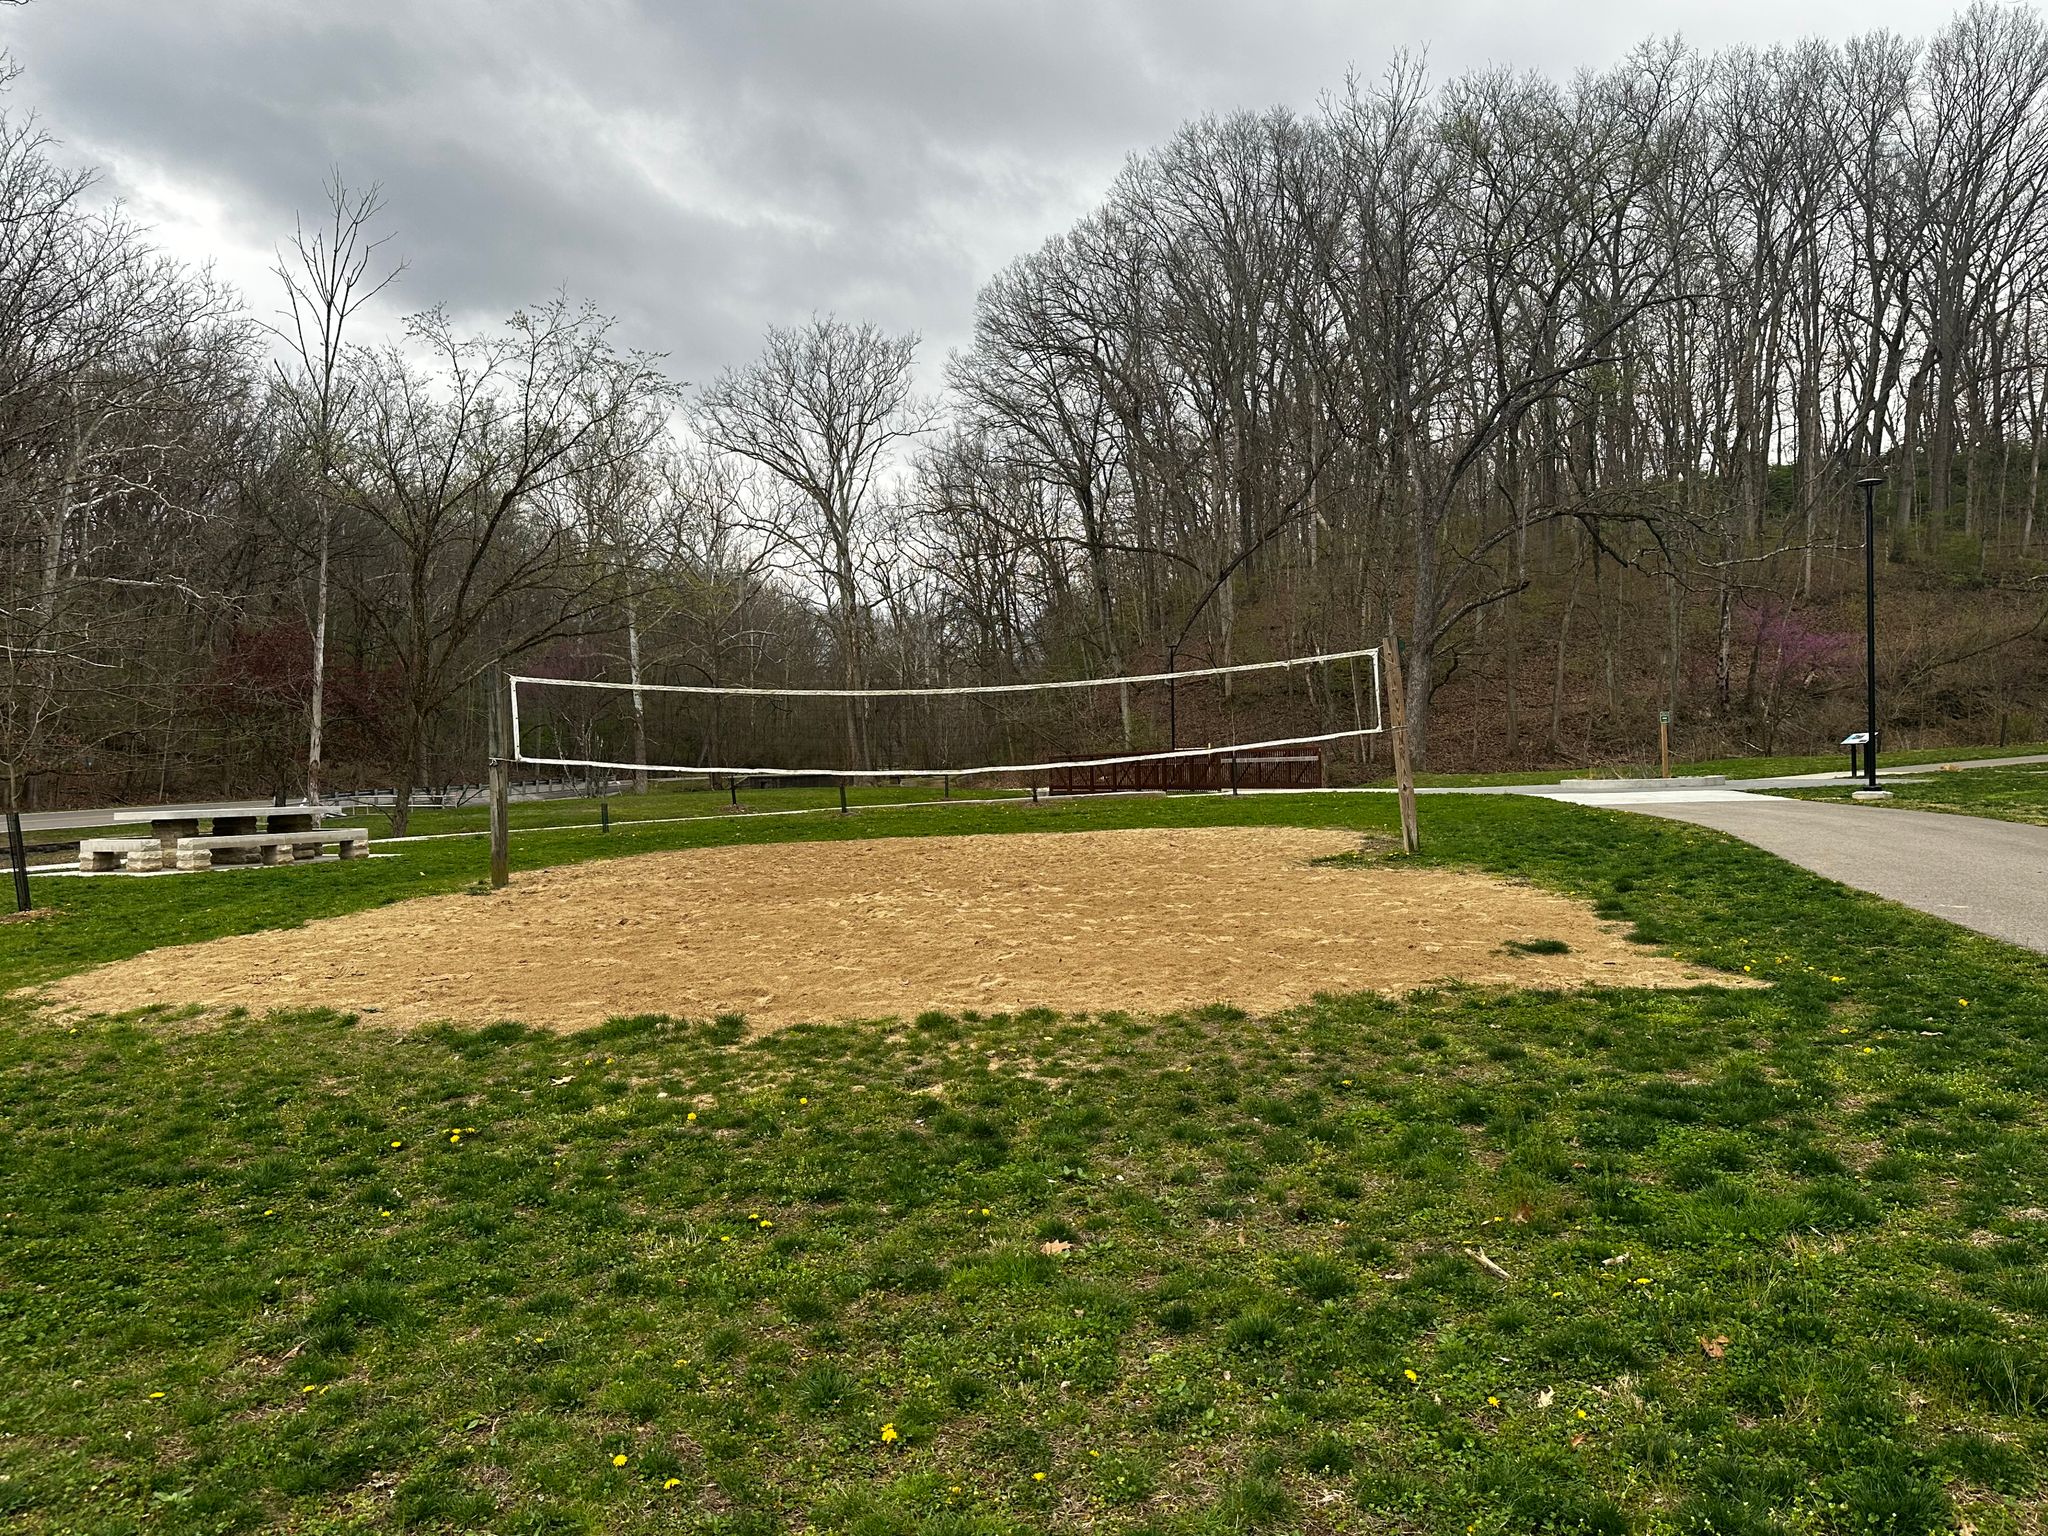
1568,385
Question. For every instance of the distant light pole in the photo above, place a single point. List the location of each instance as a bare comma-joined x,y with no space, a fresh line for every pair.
1870,483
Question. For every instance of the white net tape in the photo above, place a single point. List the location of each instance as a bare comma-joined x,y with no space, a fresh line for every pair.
958,732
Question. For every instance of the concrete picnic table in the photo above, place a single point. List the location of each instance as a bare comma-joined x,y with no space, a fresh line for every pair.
237,836
172,827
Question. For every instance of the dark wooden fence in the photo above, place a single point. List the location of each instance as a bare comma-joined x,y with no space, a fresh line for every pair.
1268,768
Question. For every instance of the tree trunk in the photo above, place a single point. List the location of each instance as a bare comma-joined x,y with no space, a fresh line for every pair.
317,704
639,698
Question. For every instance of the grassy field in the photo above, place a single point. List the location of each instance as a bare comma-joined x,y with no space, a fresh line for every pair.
2006,794
668,803
659,803
1735,767
1753,1261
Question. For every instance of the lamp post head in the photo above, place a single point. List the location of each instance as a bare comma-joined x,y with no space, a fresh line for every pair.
1869,482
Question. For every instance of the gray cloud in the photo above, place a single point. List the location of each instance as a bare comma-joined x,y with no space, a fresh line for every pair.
707,168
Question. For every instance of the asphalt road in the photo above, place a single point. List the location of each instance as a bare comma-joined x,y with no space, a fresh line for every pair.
1988,875
64,821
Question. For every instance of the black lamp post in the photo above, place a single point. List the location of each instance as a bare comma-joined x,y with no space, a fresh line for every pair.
1870,483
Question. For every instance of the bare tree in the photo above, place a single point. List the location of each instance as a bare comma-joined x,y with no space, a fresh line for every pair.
328,278
466,473
822,409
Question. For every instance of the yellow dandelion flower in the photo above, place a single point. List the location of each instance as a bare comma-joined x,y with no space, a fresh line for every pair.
1411,1376
889,1435
803,1101
619,1460
309,1389
765,1223
691,1115
398,1144
1962,1002
156,1394
1492,1402
1834,978
674,1482
1038,1477
1582,1413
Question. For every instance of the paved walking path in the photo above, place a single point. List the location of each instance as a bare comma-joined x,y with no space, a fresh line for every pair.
1988,875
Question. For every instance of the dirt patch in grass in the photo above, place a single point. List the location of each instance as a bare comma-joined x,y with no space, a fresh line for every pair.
1143,920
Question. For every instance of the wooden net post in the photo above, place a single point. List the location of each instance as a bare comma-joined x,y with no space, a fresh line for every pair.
501,786
1404,769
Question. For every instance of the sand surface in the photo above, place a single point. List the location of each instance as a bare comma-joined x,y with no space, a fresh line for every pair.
1145,921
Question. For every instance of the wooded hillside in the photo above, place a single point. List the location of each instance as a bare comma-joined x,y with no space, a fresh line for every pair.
1568,382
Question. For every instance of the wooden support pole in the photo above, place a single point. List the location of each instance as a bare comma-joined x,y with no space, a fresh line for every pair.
501,788
17,858
842,797
1664,740
1404,769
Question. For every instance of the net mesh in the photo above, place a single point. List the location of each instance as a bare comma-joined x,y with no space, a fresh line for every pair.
1016,731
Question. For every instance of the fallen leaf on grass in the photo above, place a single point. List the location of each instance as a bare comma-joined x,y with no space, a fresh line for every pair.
1715,1347
1055,1245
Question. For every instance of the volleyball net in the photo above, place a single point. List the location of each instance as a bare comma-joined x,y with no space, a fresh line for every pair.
1095,732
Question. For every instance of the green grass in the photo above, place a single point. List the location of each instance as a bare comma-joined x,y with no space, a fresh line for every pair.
659,803
1731,767
2005,794
951,1275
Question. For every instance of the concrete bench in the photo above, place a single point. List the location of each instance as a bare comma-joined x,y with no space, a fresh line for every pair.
272,847
98,854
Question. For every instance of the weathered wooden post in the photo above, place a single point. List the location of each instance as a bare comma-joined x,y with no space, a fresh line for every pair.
1404,769
501,786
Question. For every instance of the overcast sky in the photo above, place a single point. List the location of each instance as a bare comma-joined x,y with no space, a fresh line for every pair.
705,168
